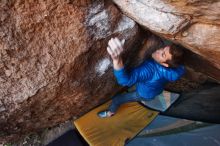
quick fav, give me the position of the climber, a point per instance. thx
(149, 77)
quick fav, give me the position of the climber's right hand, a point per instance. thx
(115, 48)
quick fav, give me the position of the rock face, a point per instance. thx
(193, 24)
(199, 105)
(53, 60)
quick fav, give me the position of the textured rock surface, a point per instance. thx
(191, 23)
(53, 60)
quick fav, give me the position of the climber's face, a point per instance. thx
(162, 55)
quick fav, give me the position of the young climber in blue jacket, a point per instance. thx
(149, 78)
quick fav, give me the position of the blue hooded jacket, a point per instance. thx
(150, 77)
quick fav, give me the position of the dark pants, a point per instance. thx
(124, 98)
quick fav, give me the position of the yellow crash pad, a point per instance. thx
(129, 120)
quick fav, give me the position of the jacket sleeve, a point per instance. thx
(140, 73)
(173, 74)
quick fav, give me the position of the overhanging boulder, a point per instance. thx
(53, 61)
(193, 24)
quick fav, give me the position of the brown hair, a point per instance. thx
(177, 56)
(151, 44)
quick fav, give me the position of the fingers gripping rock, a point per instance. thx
(115, 47)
